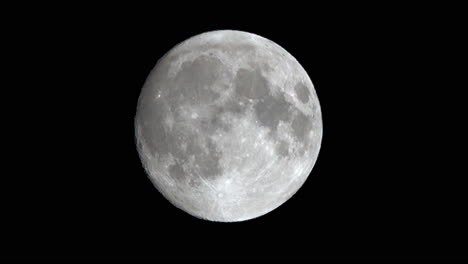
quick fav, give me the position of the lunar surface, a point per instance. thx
(228, 126)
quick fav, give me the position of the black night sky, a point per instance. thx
(381, 187)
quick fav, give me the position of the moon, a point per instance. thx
(228, 126)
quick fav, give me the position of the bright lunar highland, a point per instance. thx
(228, 126)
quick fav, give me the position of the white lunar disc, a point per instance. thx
(228, 126)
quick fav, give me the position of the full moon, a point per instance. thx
(228, 126)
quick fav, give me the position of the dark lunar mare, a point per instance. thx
(270, 108)
(192, 86)
(302, 92)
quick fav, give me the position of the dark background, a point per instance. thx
(384, 185)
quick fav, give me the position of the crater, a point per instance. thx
(302, 92)
(176, 171)
(194, 182)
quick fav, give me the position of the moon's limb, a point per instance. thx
(228, 126)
